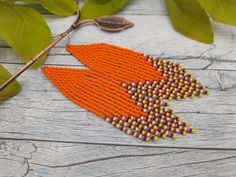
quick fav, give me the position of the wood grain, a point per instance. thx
(134, 7)
(156, 37)
(44, 134)
(41, 112)
(27, 158)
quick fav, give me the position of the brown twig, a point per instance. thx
(107, 23)
(74, 26)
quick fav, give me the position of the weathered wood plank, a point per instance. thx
(214, 79)
(41, 112)
(222, 82)
(151, 35)
(60, 57)
(25, 158)
(91, 146)
(137, 7)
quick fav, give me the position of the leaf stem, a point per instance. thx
(74, 26)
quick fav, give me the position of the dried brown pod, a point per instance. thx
(113, 23)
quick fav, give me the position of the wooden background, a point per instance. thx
(44, 134)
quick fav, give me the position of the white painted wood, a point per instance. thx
(137, 7)
(59, 56)
(151, 35)
(59, 159)
(41, 112)
(68, 141)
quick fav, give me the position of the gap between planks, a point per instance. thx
(118, 144)
(165, 59)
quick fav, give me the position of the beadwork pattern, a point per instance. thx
(154, 77)
(127, 88)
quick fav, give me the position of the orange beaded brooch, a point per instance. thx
(127, 88)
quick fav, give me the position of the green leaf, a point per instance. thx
(58, 7)
(24, 30)
(190, 19)
(11, 89)
(95, 8)
(223, 11)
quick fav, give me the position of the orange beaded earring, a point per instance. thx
(147, 79)
(111, 102)
(126, 89)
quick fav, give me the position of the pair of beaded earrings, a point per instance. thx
(127, 88)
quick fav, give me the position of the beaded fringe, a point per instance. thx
(127, 88)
